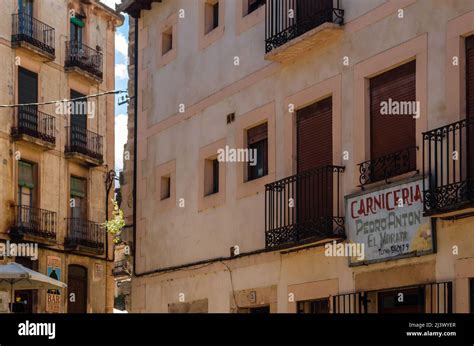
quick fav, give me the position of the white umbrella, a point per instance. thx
(23, 278)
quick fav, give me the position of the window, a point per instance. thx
(167, 41)
(255, 310)
(211, 16)
(316, 306)
(211, 177)
(77, 25)
(470, 76)
(26, 184)
(392, 120)
(165, 187)
(257, 140)
(471, 294)
(78, 194)
(253, 5)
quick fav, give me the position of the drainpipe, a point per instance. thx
(135, 144)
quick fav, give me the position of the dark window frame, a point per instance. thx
(257, 138)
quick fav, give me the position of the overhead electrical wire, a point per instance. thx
(66, 100)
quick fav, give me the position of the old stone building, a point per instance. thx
(359, 198)
(55, 156)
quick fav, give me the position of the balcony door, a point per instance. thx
(314, 202)
(77, 289)
(78, 129)
(25, 10)
(309, 12)
(26, 196)
(470, 106)
(27, 93)
(392, 122)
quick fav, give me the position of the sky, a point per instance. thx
(121, 83)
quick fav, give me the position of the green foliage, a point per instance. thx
(116, 224)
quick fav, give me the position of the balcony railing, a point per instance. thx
(34, 221)
(84, 233)
(84, 57)
(288, 19)
(435, 298)
(30, 121)
(30, 30)
(388, 166)
(304, 208)
(448, 162)
(83, 141)
(121, 267)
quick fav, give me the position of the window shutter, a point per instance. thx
(314, 135)
(391, 133)
(470, 76)
(257, 133)
(25, 175)
(78, 187)
(27, 86)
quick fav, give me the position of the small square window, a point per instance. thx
(257, 140)
(211, 16)
(167, 41)
(211, 177)
(253, 5)
(165, 187)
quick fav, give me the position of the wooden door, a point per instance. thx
(77, 285)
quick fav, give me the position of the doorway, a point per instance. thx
(77, 289)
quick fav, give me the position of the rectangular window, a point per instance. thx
(167, 41)
(165, 187)
(257, 140)
(470, 76)
(211, 177)
(316, 306)
(393, 107)
(255, 310)
(253, 5)
(78, 193)
(471, 294)
(26, 184)
(211, 15)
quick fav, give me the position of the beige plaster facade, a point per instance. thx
(53, 167)
(182, 249)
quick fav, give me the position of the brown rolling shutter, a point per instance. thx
(314, 150)
(257, 133)
(470, 102)
(470, 76)
(314, 135)
(392, 133)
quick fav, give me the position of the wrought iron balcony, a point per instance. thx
(84, 144)
(304, 208)
(448, 162)
(34, 33)
(85, 58)
(434, 298)
(388, 166)
(289, 19)
(33, 221)
(31, 122)
(121, 268)
(85, 235)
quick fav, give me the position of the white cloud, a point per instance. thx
(121, 44)
(121, 134)
(110, 3)
(121, 71)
